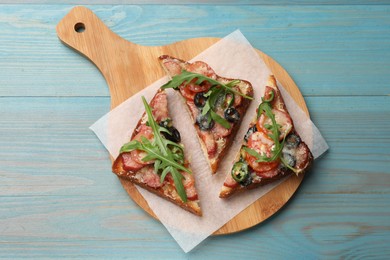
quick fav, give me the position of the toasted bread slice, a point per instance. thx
(248, 172)
(131, 166)
(215, 139)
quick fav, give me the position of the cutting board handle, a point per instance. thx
(117, 59)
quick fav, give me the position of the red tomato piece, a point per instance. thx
(262, 144)
(187, 93)
(203, 87)
(260, 167)
(200, 67)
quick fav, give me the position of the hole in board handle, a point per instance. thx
(79, 27)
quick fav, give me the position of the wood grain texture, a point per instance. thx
(51, 206)
(125, 64)
(315, 44)
(203, 2)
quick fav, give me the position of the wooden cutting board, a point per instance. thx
(129, 67)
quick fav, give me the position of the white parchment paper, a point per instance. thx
(231, 57)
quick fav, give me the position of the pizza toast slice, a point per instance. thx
(154, 158)
(271, 148)
(216, 104)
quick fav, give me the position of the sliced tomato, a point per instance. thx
(260, 167)
(203, 87)
(200, 68)
(262, 144)
(187, 93)
(282, 118)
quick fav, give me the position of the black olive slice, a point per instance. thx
(204, 122)
(231, 114)
(292, 141)
(200, 99)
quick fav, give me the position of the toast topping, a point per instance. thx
(157, 144)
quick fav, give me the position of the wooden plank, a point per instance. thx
(100, 227)
(87, 214)
(203, 2)
(322, 47)
(340, 211)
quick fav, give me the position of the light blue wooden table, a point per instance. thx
(59, 199)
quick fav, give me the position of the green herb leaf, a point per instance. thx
(168, 156)
(186, 77)
(220, 120)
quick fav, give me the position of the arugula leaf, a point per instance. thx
(168, 156)
(187, 77)
(220, 120)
